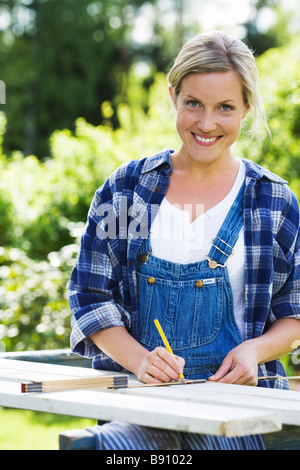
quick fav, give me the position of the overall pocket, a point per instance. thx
(190, 312)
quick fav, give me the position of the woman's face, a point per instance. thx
(210, 109)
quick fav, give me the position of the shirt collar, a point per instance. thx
(161, 158)
(255, 171)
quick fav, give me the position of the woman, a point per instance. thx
(204, 241)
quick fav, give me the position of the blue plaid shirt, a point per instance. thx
(103, 287)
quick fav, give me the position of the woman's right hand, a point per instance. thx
(150, 367)
(160, 366)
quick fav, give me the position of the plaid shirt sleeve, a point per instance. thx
(102, 287)
(94, 291)
(286, 283)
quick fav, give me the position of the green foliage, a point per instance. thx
(280, 86)
(47, 205)
(34, 312)
(42, 198)
(61, 58)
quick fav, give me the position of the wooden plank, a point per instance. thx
(231, 390)
(21, 375)
(26, 370)
(50, 356)
(220, 407)
(261, 399)
(108, 405)
(285, 402)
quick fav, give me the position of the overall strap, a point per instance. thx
(223, 243)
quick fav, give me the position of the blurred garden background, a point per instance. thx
(86, 91)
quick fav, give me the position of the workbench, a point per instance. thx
(209, 408)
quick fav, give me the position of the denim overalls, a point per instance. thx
(194, 305)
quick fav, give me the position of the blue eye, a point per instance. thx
(226, 107)
(193, 103)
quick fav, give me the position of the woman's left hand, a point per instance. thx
(240, 366)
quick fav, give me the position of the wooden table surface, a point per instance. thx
(210, 408)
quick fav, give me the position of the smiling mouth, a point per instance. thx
(206, 140)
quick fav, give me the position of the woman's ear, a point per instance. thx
(172, 97)
(247, 109)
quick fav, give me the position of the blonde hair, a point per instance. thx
(217, 51)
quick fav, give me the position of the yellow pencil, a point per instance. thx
(166, 343)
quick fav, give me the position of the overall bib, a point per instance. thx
(193, 302)
(194, 305)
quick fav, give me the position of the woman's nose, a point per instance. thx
(207, 122)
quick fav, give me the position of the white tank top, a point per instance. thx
(175, 238)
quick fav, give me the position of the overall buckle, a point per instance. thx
(214, 264)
